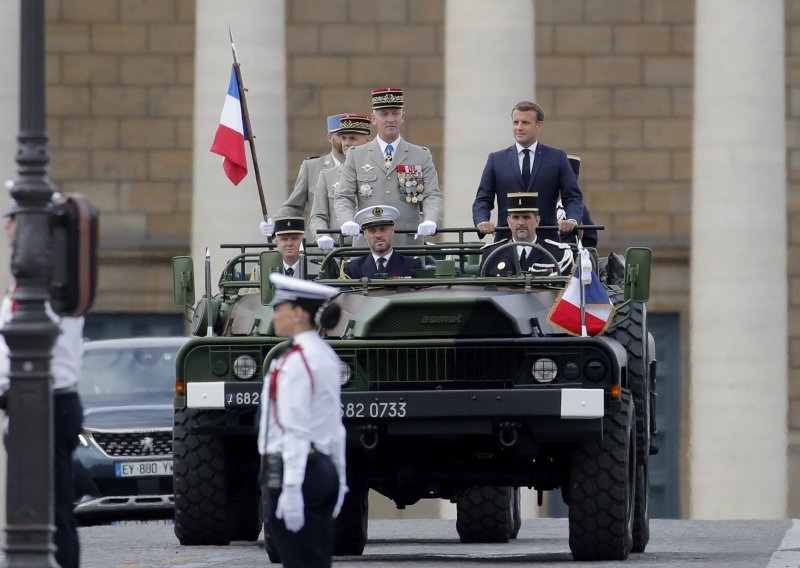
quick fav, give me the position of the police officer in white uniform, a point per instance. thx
(301, 437)
(65, 367)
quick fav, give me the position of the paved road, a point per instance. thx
(433, 543)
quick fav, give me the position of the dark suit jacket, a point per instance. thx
(550, 176)
(398, 265)
(503, 263)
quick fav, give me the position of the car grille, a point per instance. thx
(134, 443)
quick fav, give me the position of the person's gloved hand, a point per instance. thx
(291, 508)
(350, 229)
(343, 489)
(426, 229)
(267, 227)
(325, 242)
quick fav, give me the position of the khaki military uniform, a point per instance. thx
(301, 199)
(366, 181)
(322, 212)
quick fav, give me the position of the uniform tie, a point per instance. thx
(526, 167)
(290, 271)
(381, 264)
(389, 150)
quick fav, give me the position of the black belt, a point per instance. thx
(272, 467)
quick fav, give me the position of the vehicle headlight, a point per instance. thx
(83, 441)
(347, 373)
(544, 370)
(244, 367)
(571, 370)
(595, 370)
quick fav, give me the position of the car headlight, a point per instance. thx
(244, 367)
(595, 370)
(544, 370)
(83, 441)
(347, 373)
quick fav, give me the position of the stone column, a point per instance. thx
(489, 67)
(738, 337)
(222, 212)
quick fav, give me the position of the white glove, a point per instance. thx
(426, 229)
(343, 489)
(291, 508)
(350, 229)
(267, 227)
(325, 242)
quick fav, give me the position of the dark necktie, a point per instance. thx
(381, 264)
(526, 167)
(523, 258)
(290, 271)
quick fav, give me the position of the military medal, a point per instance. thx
(365, 190)
(410, 183)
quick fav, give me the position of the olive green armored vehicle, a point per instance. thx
(454, 386)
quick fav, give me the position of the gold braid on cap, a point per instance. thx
(387, 98)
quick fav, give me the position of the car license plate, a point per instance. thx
(242, 394)
(143, 468)
(373, 409)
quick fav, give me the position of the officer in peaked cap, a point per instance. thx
(289, 238)
(301, 200)
(378, 223)
(390, 171)
(300, 436)
(354, 130)
(523, 218)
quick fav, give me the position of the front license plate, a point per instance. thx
(374, 409)
(242, 394)
(143, 468)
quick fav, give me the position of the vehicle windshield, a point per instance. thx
(128, 371)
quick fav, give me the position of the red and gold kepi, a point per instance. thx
(523, 202)
(290, 226)
(353, 124)
(388, 97)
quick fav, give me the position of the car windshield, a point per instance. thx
(128, 371)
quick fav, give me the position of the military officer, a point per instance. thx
(289, 238)
(378, 226)
(301, 198)
(390, 171)
(301, 437)
(353, 131)
(523, 218)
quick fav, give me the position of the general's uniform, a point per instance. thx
(65, 367)
(302, 199)
(302, 442)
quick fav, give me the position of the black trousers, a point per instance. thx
(67, 423)
(312, 546)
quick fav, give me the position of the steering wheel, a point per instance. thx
(496, 252)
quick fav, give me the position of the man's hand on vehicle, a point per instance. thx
(350, 229)
(325, 242)
(566, 226)
(426, 229)
(485, 227)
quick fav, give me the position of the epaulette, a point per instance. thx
(490, 245)
(311, 157)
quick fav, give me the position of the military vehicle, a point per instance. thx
(454, 386)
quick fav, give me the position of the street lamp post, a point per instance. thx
(31, 334)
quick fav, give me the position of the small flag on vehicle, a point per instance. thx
(231, 134)
(598, 309)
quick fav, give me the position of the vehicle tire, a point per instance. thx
(243, 490)
(269, 546)
(350, 530)
(516, 512)
(641, 509)
(485, 514)
(201, 509)
(602, 490)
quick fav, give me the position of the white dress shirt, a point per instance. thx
(521, 155)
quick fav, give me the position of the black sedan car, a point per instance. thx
(125, 449)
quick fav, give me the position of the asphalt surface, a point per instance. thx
(434, 543)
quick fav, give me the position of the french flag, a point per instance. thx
(566, 311)
(231, 134)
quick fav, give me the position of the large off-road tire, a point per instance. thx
(602, 490)
(201, 508)
(641, 509)
(350, 530)
(484, 514)
(516, 512)
(243, 491)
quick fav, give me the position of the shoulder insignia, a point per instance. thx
(490, 245)
(311, 157)
(366, 167)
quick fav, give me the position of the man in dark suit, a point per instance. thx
(528, 166)
(289, 238)
(523, 218)
(377, 224)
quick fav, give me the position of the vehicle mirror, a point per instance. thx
(637, 273)
(268, 261)
(183, 281)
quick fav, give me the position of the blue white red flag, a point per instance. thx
(231, 134)
(566, 311)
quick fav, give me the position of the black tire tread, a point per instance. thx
(483, 514)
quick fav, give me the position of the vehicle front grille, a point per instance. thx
(134, 443)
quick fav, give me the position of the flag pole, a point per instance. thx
(583, 290)
(248, 128)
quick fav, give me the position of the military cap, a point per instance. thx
(290, 225)
(378, 215)
(354, 124)
(390, 97)
(288, 289)
(333, 122)
(523, 202)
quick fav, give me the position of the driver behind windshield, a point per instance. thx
(523, 218)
